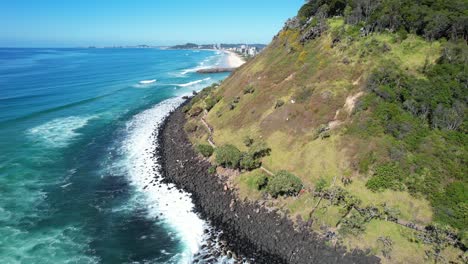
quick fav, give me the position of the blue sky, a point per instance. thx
(61, 23)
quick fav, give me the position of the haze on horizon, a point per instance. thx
(57, 23)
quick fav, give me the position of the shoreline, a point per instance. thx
(249, 230)
(233, 59)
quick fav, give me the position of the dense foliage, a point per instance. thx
(284, 183)
(433, 19)
(387, 176)
(205, 150)
(423, 119)
(228, 156)
(251, 159)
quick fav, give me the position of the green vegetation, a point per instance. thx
(190, 127)
(248, 141)
(279, 103)
(376, 131)
(252, 183)
(195, 111)
(284, 183)
(249, 89)
(249, 162)
(205, 149)
(386, 176)
(433, 19)
(228, 156)
(212, 170)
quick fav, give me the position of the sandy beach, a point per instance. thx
(234, 60)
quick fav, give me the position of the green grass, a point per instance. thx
(417, 210)
(289, 130)
(403, 251)
(247, 187)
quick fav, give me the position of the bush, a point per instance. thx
(259, 149)
(321, 185)
(248, 141)
(210, 103)
(354, 225)
(212, 170)
(249, 89)
(205, 150)
(303, 94)
(186, 108)
(279, 104)
(249, 162)
(190, 127)
(386, 176)
(228, 156)
(451, 206)
(284, 183)
(195, 111)
(260, 181)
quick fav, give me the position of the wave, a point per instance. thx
(193, 83)
(58, 132)
(163, 201)
(148, 81)
(209, 62)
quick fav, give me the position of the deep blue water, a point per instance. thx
(76, 135)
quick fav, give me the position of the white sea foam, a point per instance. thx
(194, 82)
(148, 81)
(58, 132)
(207, 63)
(176, 207)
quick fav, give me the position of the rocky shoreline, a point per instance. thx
(249, 230)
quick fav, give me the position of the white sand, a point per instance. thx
(234, 60)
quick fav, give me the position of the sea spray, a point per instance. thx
(173, 207)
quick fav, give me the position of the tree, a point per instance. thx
(284, 183)
(205, 150)
(249, 162)
(228, 156)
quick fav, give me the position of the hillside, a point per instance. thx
(367, 120)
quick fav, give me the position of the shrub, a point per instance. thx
(195, 111)
(279, 104)
(321, 185)
(205, 150)
(186, 108)
(386, 176)
(284, 183)
(260, 181)
(259, 149)
(248, 141)
(303, 94)
(354, 225)
(249, 89)
(249, 162)
(451, 206)
(210, 103)
(228, 156)
(212, 170)
(190, 127)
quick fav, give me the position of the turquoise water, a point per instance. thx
(76, 141)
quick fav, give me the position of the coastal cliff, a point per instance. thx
(352, 123)
(252, 231)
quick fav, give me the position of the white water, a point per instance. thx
(58, 132)
(176, 207)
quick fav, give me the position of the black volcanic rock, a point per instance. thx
(250, 231)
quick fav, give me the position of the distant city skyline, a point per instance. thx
(54, 23)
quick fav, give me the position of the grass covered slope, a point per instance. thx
(372, 122)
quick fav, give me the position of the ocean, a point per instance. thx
(76, 155)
